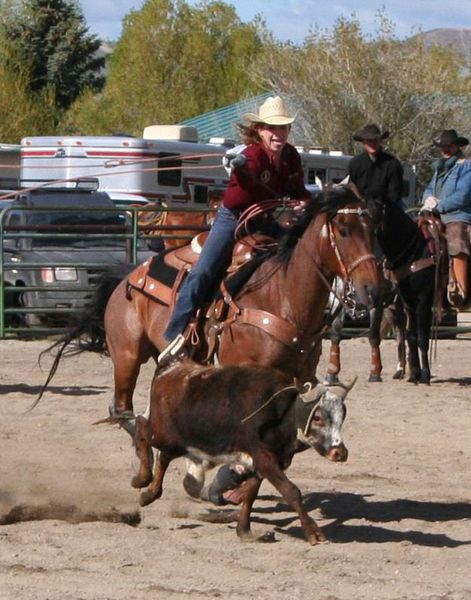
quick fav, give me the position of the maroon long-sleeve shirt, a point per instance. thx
(259, 179)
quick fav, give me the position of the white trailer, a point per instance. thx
(167, 164)
(9, 167)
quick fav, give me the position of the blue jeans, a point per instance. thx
(215, 257)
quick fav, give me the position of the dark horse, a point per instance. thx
(412, 252)
(275, 320)
(388, 314)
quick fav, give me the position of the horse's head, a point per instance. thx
(348, 233)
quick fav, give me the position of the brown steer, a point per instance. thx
(247, 414)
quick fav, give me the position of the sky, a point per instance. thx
(292, 19)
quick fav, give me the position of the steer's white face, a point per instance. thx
(325, 430)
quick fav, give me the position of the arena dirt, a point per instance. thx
(398, 513)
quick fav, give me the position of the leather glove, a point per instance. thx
(429, 205)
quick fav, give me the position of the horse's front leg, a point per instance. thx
(333, 368)
(424, 326)
(374, 337)
(398, 321)
(413, 358)
(335, 334)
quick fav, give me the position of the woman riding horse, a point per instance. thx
(272, 169)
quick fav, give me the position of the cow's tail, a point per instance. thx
(86, 331)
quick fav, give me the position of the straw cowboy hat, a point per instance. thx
(450, 137)
(370, 132)
(272, 112)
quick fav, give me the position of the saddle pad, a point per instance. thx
(155, 279)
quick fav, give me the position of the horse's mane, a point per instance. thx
(329, 200)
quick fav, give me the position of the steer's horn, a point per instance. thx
(304, 388)
(346, 387)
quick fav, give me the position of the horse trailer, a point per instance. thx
(167, 165)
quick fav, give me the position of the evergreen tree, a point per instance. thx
(21, 112)
(49, 41)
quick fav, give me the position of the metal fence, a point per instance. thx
(47, 315)
(37, 296)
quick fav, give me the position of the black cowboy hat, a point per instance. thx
(450, 137)
(370, 132)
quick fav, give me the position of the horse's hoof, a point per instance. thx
(374, 378)
(121, 413)
(425, 378)
(399, 374)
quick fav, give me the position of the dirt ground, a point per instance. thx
(398, 513)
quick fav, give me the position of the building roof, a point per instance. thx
(221, 122)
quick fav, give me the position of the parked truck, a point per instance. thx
(54, 246)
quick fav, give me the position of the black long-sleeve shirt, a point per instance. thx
(380, 179)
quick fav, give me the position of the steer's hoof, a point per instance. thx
(192, 486)
(148, 497)
(139, 481)
(316, 536)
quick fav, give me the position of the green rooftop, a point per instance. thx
(221, 122)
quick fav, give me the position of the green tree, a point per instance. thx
(341, 79)
(20, 112)
(172, 62)
(49, 42)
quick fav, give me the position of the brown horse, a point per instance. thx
(335, 238)
(275, 320)
(177, 225)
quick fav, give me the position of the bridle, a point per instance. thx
(348, 297)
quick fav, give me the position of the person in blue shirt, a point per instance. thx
(449, 194)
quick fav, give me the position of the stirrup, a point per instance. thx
(172, 350)
(455, 294)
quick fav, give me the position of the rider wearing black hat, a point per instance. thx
(375, 173)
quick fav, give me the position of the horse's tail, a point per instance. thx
(86, 331)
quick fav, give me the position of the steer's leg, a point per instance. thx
(267, 465)
(251, 487)
(154, 490)
(144, 452)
